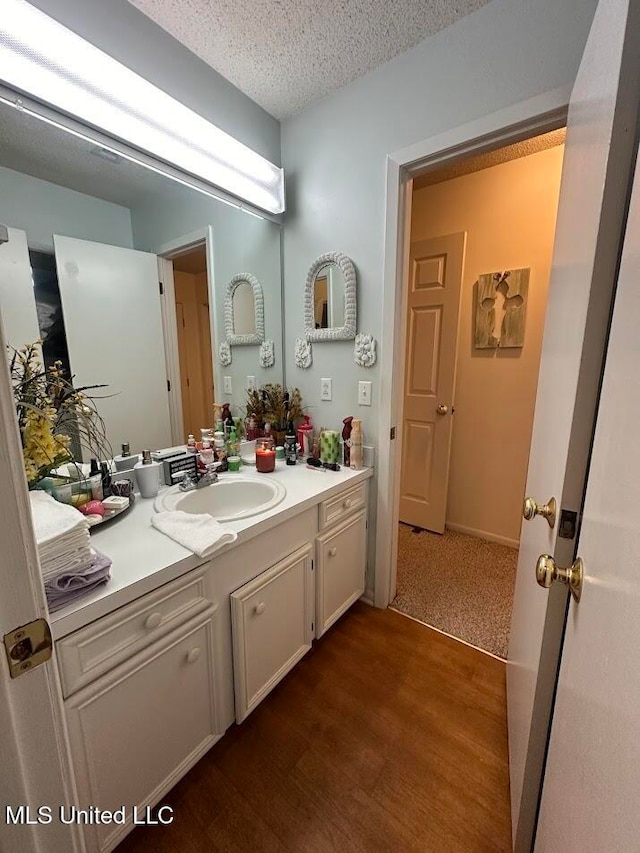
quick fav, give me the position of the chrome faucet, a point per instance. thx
(210, 476)
(184, 480)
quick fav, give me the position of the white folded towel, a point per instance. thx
(201, 534)
(52, 519)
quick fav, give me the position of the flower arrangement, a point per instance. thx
(271, 404)
(50, 411)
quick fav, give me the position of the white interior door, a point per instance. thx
(35, 768)
(433, 311)
(597, 167)
(111, 305)
(17, 299)
(594, 750)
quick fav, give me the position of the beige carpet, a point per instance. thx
(458, 584)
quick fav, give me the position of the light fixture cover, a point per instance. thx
(42, 58)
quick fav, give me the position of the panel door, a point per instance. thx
(597, 169)
(136, 730)
(594, 749)
(341, 567)
(272, 624)
(433, 311)
(111, 305)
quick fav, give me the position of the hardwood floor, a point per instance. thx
(387, 736)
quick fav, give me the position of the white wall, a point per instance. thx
(42, 209)
(334, 157)
(241, 243)
(123, 32)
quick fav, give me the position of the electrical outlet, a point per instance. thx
(251, 383)
(228, 388)
(364, 393)
(325, 389)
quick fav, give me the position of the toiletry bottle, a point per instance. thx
(106, 479)
(290, 444)
(346, 439)
(233, 445)
(126, 460)
(94, 468)
(148, 475)
(305, 432)
(252, 428)
(220, 449)
(356, 444)
(227, 420)
(207, 455)
(191, 444)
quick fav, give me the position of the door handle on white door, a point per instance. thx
(442, 409)
(531, 508)
(259, 608)
(193, 655)
(547, 571)
(333, 552)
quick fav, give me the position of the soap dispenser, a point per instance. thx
(147, 475)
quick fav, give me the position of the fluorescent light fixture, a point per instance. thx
(42, 58)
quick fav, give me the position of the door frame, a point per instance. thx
(166, 253)
(508, 126)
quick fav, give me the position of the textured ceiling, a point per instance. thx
(286, 54)
(39, 149)
(490, 158)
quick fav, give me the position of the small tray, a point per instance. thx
(109, 516)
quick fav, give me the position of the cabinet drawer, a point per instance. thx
(272, 624)
(137, 730)
(107, 642)
(346, 503)
(341, 565)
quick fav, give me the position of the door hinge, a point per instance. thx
(161, 286)
(313, 627)
(28, 646)
(169, 385)
(312, 565)
(392, 434)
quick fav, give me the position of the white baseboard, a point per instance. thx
(483, 534)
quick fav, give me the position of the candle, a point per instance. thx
(265, 456)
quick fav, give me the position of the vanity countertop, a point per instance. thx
(145, 559)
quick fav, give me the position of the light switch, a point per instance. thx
(364, 393)
(228, 388)
(251, 383)
(325, 389)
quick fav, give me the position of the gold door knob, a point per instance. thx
(442, 409)
(531, 508)
(547, 571)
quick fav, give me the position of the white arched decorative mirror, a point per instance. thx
(244, 311)
(330, 299)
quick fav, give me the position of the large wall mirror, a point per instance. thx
(91, 235)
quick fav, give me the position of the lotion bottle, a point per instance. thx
(148, 475)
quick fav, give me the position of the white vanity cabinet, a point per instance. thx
(272, 624)
(137, 727)
(341, 555)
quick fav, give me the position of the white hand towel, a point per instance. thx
(201, 534)
(52, 519)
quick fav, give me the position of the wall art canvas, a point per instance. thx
(501, 309)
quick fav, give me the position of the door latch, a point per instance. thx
(28, 646)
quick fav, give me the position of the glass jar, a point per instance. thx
(265, 455)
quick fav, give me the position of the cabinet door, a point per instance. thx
(137, 730)
(342, 559)
(272, 622)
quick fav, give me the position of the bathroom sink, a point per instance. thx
(231, 498)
